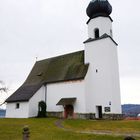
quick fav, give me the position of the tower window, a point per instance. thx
(96, 33)
(96, 70)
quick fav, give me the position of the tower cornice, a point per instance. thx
(102, 37)
(97, 16)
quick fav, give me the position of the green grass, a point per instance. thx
(123, 126)
(44, 129)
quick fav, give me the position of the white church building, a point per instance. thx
(83, 84)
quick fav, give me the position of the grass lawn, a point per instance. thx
(124, 126)
(44, 129)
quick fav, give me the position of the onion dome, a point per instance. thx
(99, 8)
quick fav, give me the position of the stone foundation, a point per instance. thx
(91, 116)
(75, 116)
(88, 116)
(84, 116)
(55, 114)
(113, 116)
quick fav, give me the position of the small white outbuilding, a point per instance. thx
(83, 84)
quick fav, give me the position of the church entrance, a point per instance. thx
(99, 112)
(68, 104)
(68, 111)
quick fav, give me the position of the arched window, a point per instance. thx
(96, 33)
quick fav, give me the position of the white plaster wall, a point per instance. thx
(26, 109)
(21, 112)
(70, 89)
(102, 87)
(104, 24)
(33, 102)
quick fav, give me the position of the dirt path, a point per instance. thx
(59, 124)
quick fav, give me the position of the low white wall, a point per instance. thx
(26, 109)
(33, 102)
(21, 112)
(70, 89)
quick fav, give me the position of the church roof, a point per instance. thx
(57, 69)
(24, 93)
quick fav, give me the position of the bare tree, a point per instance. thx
(3, 88)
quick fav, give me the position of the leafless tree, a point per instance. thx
(3, 88)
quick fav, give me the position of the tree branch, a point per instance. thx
(3, 88)
(2, 103)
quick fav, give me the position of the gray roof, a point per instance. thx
(66, 101)
(24, 93)
(101, 37)
(57, 69)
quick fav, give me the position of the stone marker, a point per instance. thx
(26, 133)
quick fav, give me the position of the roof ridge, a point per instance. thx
(62, 68)
(63, 55)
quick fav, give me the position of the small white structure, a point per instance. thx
(83, 84)
(138, 116)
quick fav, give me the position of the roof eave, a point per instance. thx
(99, 16)
(92, 39)
(16, 101)
(68, 80)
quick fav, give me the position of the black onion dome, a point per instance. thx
(99, 8)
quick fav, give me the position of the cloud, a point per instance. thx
(130, 90)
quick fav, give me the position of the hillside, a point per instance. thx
(131, 110)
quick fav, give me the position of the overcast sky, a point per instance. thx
(45, 28)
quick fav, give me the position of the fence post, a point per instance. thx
(26, 133)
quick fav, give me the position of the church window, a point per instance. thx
(96, 33)
(96, 70)
(17, 105)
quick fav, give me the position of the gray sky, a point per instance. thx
(45, 28)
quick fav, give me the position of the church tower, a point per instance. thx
(102, 80)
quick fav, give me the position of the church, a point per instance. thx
(83, 84)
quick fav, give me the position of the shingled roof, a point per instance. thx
(57, 69)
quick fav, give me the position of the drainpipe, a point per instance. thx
(45, 93)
